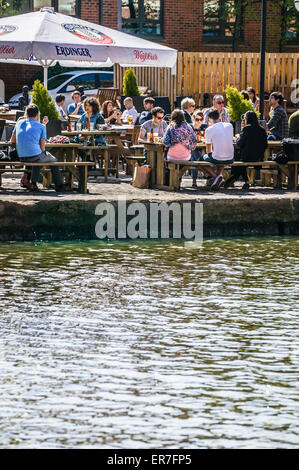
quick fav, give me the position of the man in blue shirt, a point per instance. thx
(30, 137)
(76, 107)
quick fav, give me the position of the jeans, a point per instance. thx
(195, 156)
(208, 158)
(44, 157)
(273, 137)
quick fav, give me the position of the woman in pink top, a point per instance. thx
(179, 137)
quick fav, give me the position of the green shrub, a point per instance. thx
(236, 105)
(130, 83)
(44, 101)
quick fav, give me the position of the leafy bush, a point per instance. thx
(44, 101)
(130, 83)
(236, 105)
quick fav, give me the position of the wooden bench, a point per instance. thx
(178, 167)
(74, 169)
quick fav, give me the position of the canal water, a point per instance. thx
(149, 344)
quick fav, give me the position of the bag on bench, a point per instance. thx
(141, 177)
(281, 158)
(291, 149)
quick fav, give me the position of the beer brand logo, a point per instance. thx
(6, 29)
(143, 56)
(89, 34)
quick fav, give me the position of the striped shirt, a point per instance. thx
(223, 118)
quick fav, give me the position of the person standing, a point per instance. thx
(29, 135)
(278, 123)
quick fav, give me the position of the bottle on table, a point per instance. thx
(151, 136)
(88, 124)
(69, 125)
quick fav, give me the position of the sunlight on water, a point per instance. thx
(130, 345)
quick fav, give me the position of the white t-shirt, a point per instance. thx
(220, 135)
(130, 112)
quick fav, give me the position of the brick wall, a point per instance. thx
(15, 77)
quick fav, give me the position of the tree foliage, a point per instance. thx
(130, 83)
(44, 101)
(237, 105)
(3, 5)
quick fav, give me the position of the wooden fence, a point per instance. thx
(157, 79)
(206, 72)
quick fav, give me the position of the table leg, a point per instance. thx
(83, 179)
(106, 165)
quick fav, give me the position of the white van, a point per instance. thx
(66, 83)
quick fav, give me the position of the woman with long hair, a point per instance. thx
(179, 138)
(112, 115)
(253, 98)
(252, 144)
(92, 115)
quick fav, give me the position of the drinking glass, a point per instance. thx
(130, 119)
(79, 126)
(91, 126)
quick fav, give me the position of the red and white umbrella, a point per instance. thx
(48, 37)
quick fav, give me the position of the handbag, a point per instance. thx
(281, 158)
(141, 176)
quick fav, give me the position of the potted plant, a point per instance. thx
(237, 106)
(130, 83)
(46, 105)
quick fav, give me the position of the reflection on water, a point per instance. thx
(149, 345)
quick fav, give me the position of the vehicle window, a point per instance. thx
(55, 82)
(87, 81)
(106, 80)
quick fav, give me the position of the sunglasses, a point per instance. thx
(159, 118)
(220, 102)
(192, 106)
(198, 119)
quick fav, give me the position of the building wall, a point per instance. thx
(182, 29)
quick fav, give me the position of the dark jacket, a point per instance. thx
(252, 144)
(188, 117)
(144, 116)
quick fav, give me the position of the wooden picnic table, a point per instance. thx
(9, 114)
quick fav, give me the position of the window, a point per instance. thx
(106, 80)
(88, 81)
(66, 7)
(55, 82)
(223, 21)
(289, 24)
(142, 17)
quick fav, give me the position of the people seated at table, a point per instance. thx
(75, 108)
(59, 102)
(180, 139)
(92, 117)
(251, 145)
(111, 114)
(146, 115)
(29, 135)
(129, 111)
(294, 125)
(156, 125)
(219, 145)
(218, 103)
(278, 123)
(188, 107)
(253, 98)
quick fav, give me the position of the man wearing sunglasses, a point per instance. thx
(218, 103)
(157, 125)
